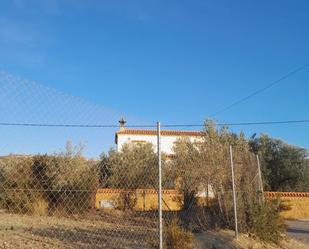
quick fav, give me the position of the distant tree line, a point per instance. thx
(285, 167)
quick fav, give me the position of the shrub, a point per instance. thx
(40, 207)
(64, 181)
(126, 200)
(174, 237)
(15, 184)
(205, 163)
(19, 201)
(266, 223)
(177, 238)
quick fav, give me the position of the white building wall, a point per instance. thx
(167, 142)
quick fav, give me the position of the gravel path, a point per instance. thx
(299, 229)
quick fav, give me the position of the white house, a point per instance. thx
(168, 137)
(168, 140)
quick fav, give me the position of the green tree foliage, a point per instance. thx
(265, 222)
(104, 169)
(284, 167)
(135, 166)
(206, 162)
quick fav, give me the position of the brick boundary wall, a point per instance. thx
(146, 199)
(144, 191)
(286, 194)
(267, 194)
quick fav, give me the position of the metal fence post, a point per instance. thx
(260, 179)
(234, 194)
(160, 185)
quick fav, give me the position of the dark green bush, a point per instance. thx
(265, 222)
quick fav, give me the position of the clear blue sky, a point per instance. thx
(174, 61)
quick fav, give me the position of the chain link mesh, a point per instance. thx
(68, 200)
(71, 198)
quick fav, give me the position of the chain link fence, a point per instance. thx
(66, 199)
(71, 197)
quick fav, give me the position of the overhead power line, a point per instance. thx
(152, 126)
(70, 125)
(242, 123)
(237, 102)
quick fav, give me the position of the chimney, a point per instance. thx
(122, 123)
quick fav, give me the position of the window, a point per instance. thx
(138, 141)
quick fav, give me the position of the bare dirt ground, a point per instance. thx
(97, 230)
(225, 240)
(112, 230)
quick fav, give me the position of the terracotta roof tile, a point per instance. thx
(286, 194)
(163, 132)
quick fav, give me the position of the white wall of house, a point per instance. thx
(167, 142)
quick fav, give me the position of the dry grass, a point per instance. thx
(298, 208)
(224, 239)
(177, 237)
(40, 207)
